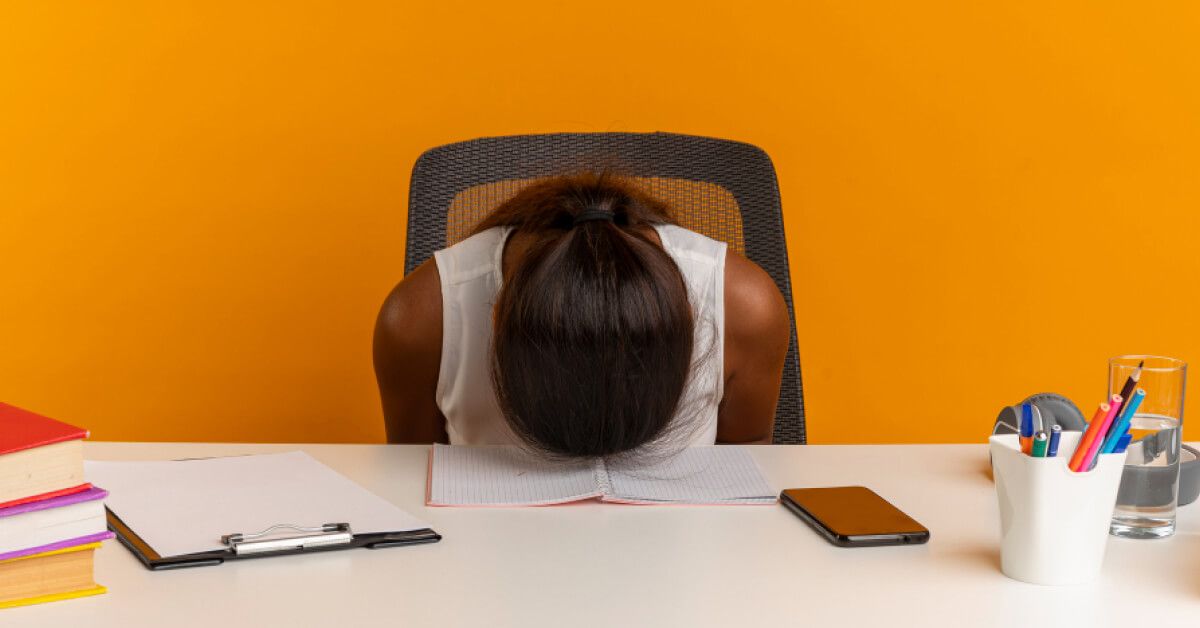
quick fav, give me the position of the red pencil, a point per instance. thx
(1089, 459)
(1090, 435)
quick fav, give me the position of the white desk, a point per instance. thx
(613, 565)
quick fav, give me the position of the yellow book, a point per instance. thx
(59, 574)
(54, 597)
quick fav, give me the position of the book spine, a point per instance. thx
(600, 471)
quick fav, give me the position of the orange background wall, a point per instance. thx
(202, 207)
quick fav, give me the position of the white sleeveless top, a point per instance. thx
(471, 278)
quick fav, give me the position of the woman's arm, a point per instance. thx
(408, 354)
(756, 341)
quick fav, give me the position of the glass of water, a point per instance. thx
(1149, 489)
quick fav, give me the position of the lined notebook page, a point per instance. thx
(505, 476)
(698, 475)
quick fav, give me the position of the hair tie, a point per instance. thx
(588, 215)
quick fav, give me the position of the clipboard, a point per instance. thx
(178, 513)
(301, 540)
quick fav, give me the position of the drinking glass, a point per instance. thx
(1149, 491)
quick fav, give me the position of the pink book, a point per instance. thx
(508, 476)
(53, 523)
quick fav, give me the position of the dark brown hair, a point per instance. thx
(593, 328)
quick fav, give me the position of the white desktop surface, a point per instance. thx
(615, 565)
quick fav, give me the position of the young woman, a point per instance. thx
(579, 321)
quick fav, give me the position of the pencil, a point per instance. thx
(1094, 446)
(1088, 436)
(1121, 426)
(1130, 382)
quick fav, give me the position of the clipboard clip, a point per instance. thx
(269, 541)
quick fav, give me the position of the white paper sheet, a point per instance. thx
(185, 506)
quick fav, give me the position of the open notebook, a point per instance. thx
(507, 476)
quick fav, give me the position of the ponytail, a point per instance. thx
(592, 328)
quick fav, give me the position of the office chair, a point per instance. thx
(722, 189)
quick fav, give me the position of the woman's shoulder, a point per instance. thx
(410, 320)
(754, 306)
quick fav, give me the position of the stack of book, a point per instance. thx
(51, 520)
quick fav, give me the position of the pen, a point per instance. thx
(1039, 445)
(1026, 428)
(1122, 426)
(1055, 435)
(1088, 436)
(1089, 460)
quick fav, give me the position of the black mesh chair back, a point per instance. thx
(725, 190)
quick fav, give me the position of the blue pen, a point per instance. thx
(1123, 444)
(1122, 426)
(1055, 434)
(1026, 439)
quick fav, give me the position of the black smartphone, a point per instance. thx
(853, 516)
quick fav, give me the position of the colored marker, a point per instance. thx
(1055, 435)
(1039, 445)
(1088, 437)
(1026, 428)
(1089, 460)
(1123, 444)
(1121, 427)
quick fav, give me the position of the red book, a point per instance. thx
(38, 456)
(22, 429)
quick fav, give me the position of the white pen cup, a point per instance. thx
(1053, 521)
